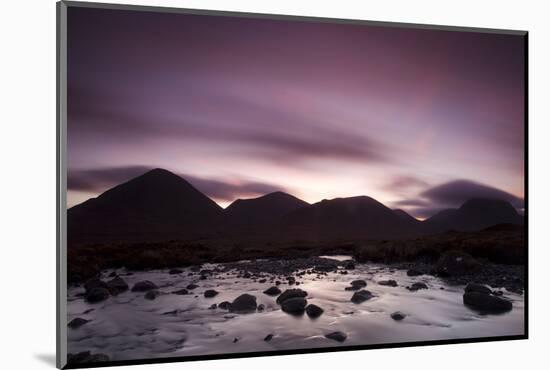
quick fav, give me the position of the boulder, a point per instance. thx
(224, 305)
(414, 272)
(417, 286)
(295, 306)
(472, 287)
(144, 286)
(272, 291)
(314, 311)
(94, 283)
(181, 292)
(291, 293)
(151, 294)
(337, 336)
(175, 271)
(210, 293)
(97, 295)
(349, 265)
(192, 286)
(391, 283)
(77, 323)
(356, 285)
(456, 264)
(245, 303)
(117, 285)
(398, 316)
(361, 296)
(486, 303)
(268, 337)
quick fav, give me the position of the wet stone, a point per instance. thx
(337, 336)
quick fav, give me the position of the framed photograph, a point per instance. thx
(234, 184)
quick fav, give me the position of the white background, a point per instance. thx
(27, 182)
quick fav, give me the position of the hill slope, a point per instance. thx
(155, 204)
(475, 214)
(347, 218)
(262, 211)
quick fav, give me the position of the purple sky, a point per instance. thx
(242, 107)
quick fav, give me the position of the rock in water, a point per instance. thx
(361, 296)
(144, 286)
(398, 316)
(95, 283)
(417, 286)
(272, 291)
(192, 286)
(77, 323)
(357, 284)
(337, 336)
(314, 311)
(295, 306)
(245, 303)
(291, 293)
(413, 272)
(391, 283)
(486, 303)
(97, 295)
(175, 271)
(472, 287)
(152, 294)
(210, 293)
(268, 337)
(117, 285)
(181, 292)
(224, 305)
(456, 264)
(349, 265)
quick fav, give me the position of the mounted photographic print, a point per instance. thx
(234, 184)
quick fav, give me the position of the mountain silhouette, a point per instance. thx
(155, 205)
(160, 206)
(262, 211)
(347, 218)
(405, 216)
(473, 215)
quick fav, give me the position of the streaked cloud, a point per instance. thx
(98, 180)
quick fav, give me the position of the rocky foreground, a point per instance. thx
(283, 281)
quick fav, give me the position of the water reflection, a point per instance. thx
(128, 326)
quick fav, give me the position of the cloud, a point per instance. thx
(452, 195)
(230, 191)
(411, 203)
(269, 132)
(98, 180)
(405, 182)
(457, 192)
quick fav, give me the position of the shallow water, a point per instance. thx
(130, 327)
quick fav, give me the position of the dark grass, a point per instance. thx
(503, 244)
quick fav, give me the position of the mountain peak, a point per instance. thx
(262, 210)
(158, 172)
(157, 202)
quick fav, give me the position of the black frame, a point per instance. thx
(61, 184)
